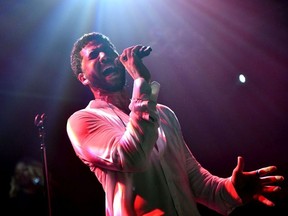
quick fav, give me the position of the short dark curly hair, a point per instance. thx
(76, 58)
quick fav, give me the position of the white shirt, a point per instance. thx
(142, 160)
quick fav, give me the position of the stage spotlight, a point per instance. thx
(242, 78)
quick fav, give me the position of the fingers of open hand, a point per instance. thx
(271, 179)
(270, 189)
(264, 200)
(267, 182)
(266, 170)
(267, 188)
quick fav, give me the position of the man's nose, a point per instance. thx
(103, 57)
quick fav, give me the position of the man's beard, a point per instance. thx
(111, 87)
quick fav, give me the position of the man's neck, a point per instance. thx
(119, 99)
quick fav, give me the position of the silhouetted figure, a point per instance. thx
(27, 192)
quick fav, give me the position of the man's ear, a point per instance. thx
(82, 78)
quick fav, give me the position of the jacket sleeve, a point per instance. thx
(210, 190)
(100, 142)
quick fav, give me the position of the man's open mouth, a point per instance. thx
(109, 71)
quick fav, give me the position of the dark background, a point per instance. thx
(199, 49)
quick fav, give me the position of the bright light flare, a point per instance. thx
(242, 78)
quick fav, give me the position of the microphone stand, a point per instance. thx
(39, 123)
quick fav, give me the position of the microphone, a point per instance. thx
(141, 54)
